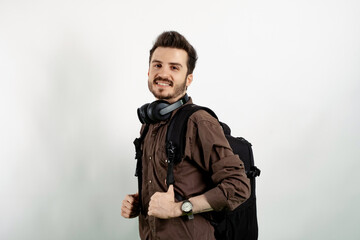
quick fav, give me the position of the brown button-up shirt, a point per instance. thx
(209, 167)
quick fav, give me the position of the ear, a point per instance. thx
(189, 79)
(148, 72)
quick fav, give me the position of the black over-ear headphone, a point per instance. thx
(159, 110)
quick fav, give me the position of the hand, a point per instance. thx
(130, 206)
(163, 205)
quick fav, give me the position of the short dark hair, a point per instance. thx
(174, 39)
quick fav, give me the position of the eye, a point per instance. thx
(158, 65)
(174, 68)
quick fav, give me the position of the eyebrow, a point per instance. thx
(171, 63)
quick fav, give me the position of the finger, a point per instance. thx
(128, 210)
(155, 196)
(129, 205)
(151, 211)
(125, 212)
(130, 198)
(151, 203)
(126, 204)
(135, 197)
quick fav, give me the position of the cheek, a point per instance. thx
(151, 74)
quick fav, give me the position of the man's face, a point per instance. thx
(167, 74)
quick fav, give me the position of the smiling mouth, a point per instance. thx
(163, 83)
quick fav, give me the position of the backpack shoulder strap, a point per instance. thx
(176, 134)
(138, 150)
(138, 157)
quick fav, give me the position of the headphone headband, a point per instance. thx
(174, 106)
(159, 110)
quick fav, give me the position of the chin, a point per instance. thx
(162, 95)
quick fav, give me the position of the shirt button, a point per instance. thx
(149, 181)
(150, 158)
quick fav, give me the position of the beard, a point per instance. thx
(159, 93)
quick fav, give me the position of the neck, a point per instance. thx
(173, 100)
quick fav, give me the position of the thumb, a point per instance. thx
(171, 190)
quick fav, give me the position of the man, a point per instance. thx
(209, 176)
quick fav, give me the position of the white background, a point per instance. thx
(283, 74)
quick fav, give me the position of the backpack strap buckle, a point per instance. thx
(170, 149)
(253, 172)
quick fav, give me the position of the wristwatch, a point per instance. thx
(186, 208)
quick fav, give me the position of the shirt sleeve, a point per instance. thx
(211, 151)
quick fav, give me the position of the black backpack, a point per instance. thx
(240, 224)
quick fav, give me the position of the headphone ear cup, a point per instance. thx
(142, 114)
(153, 111)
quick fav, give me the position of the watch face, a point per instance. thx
(186, 206)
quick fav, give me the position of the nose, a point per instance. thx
(164, 73)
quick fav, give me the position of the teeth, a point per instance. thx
(163, 84)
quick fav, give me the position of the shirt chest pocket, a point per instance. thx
(161, 156)
(160, 162)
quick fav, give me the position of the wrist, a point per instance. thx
(187, 209)
(177, 209)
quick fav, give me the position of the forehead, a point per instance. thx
(170, 55)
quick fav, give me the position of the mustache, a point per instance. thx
(162, 79)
